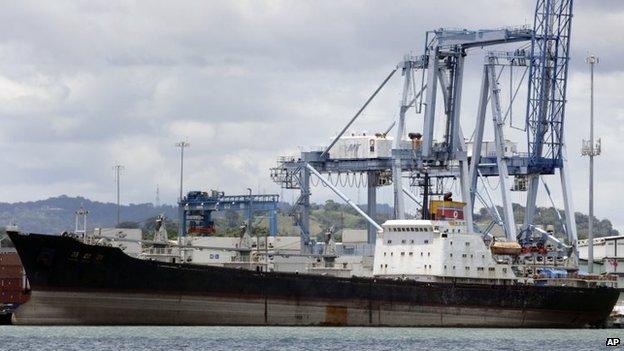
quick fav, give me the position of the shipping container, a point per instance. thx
(11, 284)
(11, 271)
(10, 259)
(17, 297)
(362, 146)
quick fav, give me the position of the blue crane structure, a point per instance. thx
(429, 160)
(548, 76)
(197, 207)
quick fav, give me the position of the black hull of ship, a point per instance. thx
(77, 284)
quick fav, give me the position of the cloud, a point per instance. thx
(86, 84)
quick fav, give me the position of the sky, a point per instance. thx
(85, 85)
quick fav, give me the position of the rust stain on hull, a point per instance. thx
(335, 315)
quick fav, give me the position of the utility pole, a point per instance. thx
(181, 227)
(118, 168)
(249, 219)
(182, 145)
(591, 149)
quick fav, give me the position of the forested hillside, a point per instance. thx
(57, 214)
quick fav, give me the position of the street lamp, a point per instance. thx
(591, 149)
(182, 145)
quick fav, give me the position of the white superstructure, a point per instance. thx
(434, 250)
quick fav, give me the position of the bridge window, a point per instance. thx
(402, 253)
(426, 241)
(403, 241)
(389, 241)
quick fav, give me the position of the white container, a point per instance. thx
(363, 146)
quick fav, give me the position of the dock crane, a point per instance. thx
(442, 67)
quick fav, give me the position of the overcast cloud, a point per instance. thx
(84, 85)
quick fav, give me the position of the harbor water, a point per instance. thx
(294, 338)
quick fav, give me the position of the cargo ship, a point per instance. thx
(432, 273)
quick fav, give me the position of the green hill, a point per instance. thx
(57, 214)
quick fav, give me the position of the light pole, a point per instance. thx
(118, 168)
(182, 145)
(181, 225)
(249, 215)
(591, 149)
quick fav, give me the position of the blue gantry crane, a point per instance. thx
(197, 208)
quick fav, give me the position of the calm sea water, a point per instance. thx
(262, 338)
